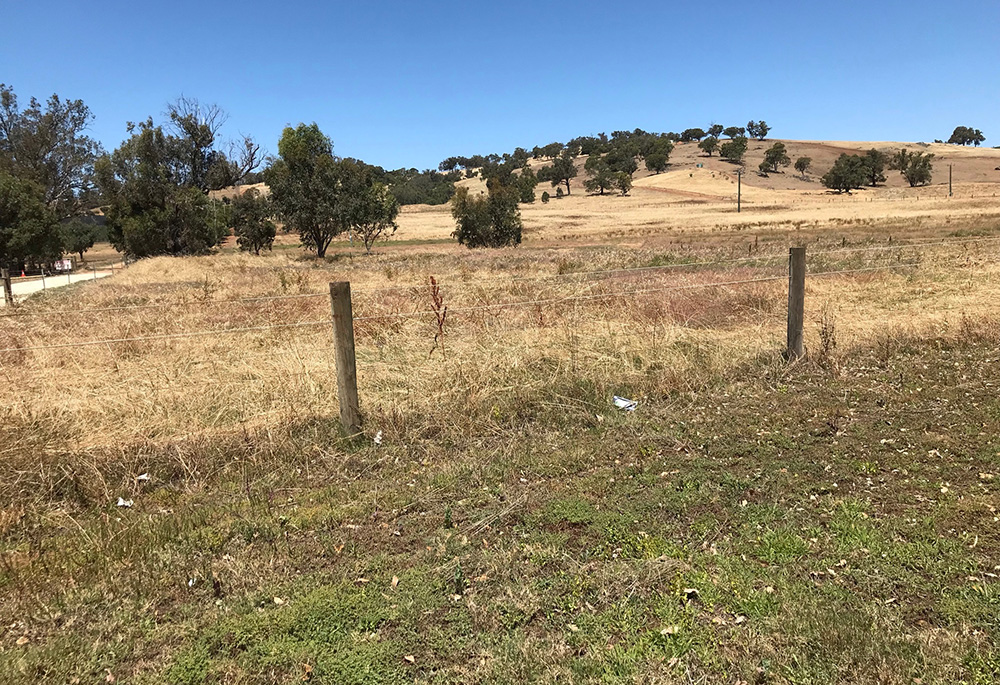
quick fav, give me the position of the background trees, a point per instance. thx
(966, 135)
(715, 130)
(487, 220)
(305, 186)
(916, 167)
(366, 206)
(848, 172)
(774, 157)
(758, 129)
(251, 220)
(526, 183)
(734, 150)
(28, 228)
(875, 163)
(734, 132)
(692, 134)
(623, 182)
(77, 236)
(562, 170)
(600, 177)
(709, 145)
(153, 207)
(410, 186)
(155, 184)
(46, 145)
(802, 165)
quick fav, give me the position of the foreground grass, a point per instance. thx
(814, 524)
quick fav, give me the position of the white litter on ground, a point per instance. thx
(624, 404)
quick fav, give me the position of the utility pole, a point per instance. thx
(739, 189)
(949, 180)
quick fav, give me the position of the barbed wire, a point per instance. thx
(511, 281)
(467, 309)
(170, 336)
(165, 305)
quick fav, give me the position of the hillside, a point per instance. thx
(665, 208)
(971, 165)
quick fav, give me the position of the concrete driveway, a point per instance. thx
(22, 287)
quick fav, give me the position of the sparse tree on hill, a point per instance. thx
(526, 183)
(735, 132)
(487, 220)
(623, 182)
(657, 162)
(715, 130)
(916, 167)
(802, 165)
(875, 163)
(552, 150)
(519, 158)
(621, 157)
(709, 145)
(848, 173)
(546, 197)
(966, 135)
(600, 177)
(774, 157)
(692, 134)
(305, 187)
(252, 224)
(562, 170)
(758, 129)
(734, 150)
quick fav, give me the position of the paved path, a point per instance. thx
(23, 287)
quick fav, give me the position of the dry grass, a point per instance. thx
(508, 498)
(662, 337)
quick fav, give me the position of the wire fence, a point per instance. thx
(607, 278)
(426, 312)
(598, 274)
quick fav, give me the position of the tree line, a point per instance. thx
(851, 172)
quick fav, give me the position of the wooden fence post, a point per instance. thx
(347, 372)
(796, 301)
(8, 292)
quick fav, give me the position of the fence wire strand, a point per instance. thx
(460, 310)
(499, 282)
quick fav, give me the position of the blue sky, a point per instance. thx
(410, 83)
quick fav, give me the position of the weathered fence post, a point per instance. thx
(347, 372)
(796, 301)
(8, 292)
